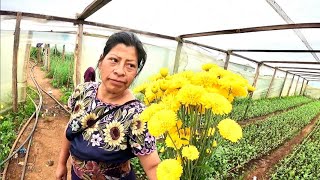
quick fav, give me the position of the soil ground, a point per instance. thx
(46, 143)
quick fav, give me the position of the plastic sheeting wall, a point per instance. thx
(6, 47)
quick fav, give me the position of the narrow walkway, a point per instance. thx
(46, 144)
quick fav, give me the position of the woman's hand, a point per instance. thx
(61, 172)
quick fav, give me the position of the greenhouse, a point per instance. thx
(231, 89)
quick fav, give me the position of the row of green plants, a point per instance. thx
(259, 138)
(304, 162)
(60, 71)
(262, 107)
(11, 123)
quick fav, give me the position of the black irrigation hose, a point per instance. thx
(35, 124)
(55, 100)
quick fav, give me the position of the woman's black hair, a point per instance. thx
(129, 39)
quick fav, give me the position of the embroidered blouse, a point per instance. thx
(115, 137)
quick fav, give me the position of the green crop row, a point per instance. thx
(12, 123)
(304, 163)
(261, 137)
(262, 107)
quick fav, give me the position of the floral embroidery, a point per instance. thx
(96, 139)
(114, 134)
(92, 170)
(75, 126)
(137, 126)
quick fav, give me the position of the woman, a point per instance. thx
(104, 131)
(89, 75)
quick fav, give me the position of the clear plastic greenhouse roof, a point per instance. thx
(179, 17)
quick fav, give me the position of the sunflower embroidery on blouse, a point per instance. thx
(114, 134)
(78, 109)
(89, 122)
(137, 126)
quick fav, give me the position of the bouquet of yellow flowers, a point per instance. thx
(185, 109)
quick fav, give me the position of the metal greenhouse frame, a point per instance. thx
(306, 74)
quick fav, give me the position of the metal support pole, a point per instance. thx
(284, 82)
(274, 74)
(227, 60)
(301, 87)
(177, 59)
(290, 85)
(295, 90)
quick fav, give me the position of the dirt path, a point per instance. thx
(263, 165)
(44, 153)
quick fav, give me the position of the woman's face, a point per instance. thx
(119, 68)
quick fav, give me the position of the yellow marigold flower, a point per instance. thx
(230, 130)
(208, 66)
(175, 142)
(169, 169)
(214, 143)
(140, 89)
(216, 102)
(147, 113)
(190, 94)
(149, 96)
(162, 121)
(208, 151)
(164, 72)
(1, 117)
(179, 159)
(190, 152)
(162, 150)
(171, 102)
(177, 82)
(155, 77)
(163, 84)
(239, 89)
(251, 88)
(211, 131)
(204, 79)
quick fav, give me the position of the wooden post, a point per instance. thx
(301, 87)
(295, 90)
(178, 53)
(63, 51)
(253, 84)
(77, 55)
(284, 82)
(305, 87)
(48, 58)
(290, 85)
(45, 57)
(15, 64)
(38, 55)
(274, 74)
(227, 60)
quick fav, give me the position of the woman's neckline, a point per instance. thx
(108, 103)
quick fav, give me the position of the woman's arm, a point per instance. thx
(150, 163)
(62, 170)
